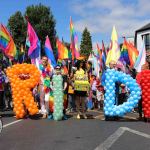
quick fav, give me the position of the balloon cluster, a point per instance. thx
(145, 85)
(58, 97)
(110, 109)
(23, 77)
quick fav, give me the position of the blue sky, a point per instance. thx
(98, 16)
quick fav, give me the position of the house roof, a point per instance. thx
(146, 27)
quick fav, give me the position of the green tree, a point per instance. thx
(86, 43)
(17, 26)
(42, 20)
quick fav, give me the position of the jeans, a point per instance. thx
(71, 100)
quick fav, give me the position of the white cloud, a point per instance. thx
(99, 16)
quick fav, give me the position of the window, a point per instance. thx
(147, 45)
(147, 42)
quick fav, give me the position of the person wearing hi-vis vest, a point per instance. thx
(81, 89)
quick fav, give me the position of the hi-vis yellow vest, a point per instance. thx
(81, 82)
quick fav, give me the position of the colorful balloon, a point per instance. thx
(23, 77)
(110, 109)
(145, 86)
(58, 97)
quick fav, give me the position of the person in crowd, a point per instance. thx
(58, 71)
(94, 88)
(71, 96)
(89, 69)
(122, 94)
(100, 96)
(64, 73)
(131, 71)
(46, 73)
(80, 96)
(112, 64)
(7, 93)
(98, 81)
(2, 83)
(36, 95)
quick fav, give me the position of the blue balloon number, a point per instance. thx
(110, 109)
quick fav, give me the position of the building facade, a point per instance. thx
(143, 34)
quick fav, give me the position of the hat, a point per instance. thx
(58, 67)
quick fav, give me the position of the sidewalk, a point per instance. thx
(96, 114)
(91, 114)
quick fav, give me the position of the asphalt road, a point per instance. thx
(73, 134)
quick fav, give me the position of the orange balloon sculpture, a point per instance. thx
(23, 77)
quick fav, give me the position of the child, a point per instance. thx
(122, 94)
(2, 83)
(100, 96)
(93, 88)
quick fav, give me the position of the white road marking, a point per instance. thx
(137, 132)
(110, 140)
(6, 125)
(115, 136)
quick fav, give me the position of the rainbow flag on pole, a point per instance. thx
(74, 41)
(6, 43)
(63, 52)
(124, 56)
(132, 52)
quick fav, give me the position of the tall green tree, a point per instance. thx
(42, 20)
(86, 43)
(17, 26)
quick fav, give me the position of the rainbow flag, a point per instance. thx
(63, 52)
(124, 57)
(49, 52)
(74, 41)
(6, 43)
(99, 56)
(132, 52)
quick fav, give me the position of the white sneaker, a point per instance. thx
(84, 116)
(78, 116)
